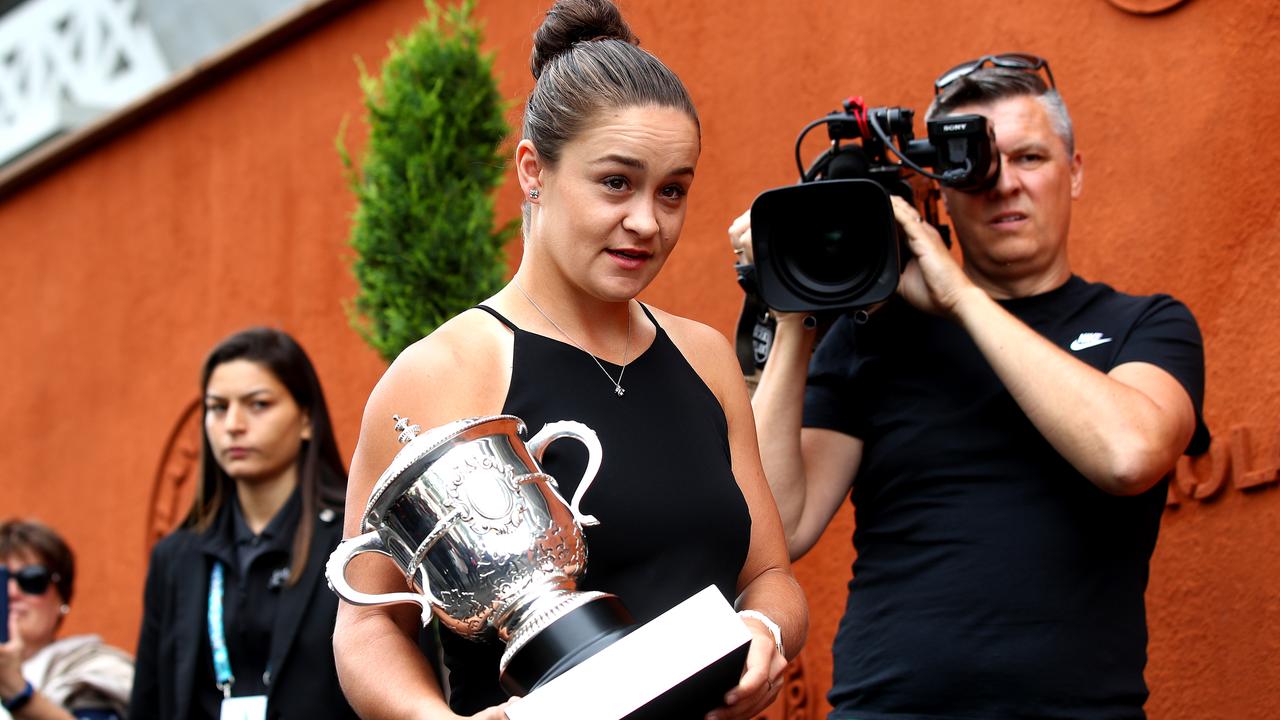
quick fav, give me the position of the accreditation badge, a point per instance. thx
(249, 707)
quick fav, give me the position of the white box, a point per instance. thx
(696, 648)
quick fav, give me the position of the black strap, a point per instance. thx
(498, 315)
(648, 314)
(513, 326)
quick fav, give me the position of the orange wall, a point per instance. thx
(125, 265)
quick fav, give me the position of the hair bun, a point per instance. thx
(569, 22)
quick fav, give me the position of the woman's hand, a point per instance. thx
(497, 712)
(761, 679)
(11, 680)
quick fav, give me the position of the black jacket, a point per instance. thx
(304, 683)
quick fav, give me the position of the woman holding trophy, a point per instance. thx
(610, 144)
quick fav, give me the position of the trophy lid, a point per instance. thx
(418, 446)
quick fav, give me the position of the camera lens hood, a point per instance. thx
(830, 245)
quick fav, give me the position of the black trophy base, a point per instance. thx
(557, 648)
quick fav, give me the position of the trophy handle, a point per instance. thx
(336, 572)
(570, 428)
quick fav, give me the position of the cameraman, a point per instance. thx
(1009, 425)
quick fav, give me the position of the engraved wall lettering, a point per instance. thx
(1230, 462)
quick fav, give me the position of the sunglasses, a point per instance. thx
(1011, 61)
(34, 579)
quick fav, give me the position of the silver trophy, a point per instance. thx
(488, 544)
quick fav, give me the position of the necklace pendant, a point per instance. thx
(617, 390)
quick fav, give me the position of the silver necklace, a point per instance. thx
(617, 384)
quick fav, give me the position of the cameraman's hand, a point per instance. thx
(740, 241)
(932, 281)
(740, 238)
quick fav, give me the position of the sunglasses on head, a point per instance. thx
(34, 579)
(1010, 61)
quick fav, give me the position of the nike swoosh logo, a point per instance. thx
(1088, 340)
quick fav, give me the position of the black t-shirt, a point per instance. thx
(992, 579)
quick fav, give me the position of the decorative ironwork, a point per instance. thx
(65, 62)
(173, 485)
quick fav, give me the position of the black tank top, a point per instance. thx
(672, 518)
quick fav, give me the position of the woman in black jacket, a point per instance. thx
(236, 608)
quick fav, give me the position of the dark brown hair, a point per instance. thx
(30, 536)
(585, 59)
(322, 479)
(987, 85)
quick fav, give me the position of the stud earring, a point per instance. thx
(64, 609)
(534, 194)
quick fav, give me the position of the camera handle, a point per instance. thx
(946, 177)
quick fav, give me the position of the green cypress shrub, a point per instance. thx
(423, 232)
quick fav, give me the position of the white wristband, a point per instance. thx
(773, 627)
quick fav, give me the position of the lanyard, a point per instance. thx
(217, 637)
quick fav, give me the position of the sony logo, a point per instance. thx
(955, 126)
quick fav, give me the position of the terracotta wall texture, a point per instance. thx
(125, 264)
